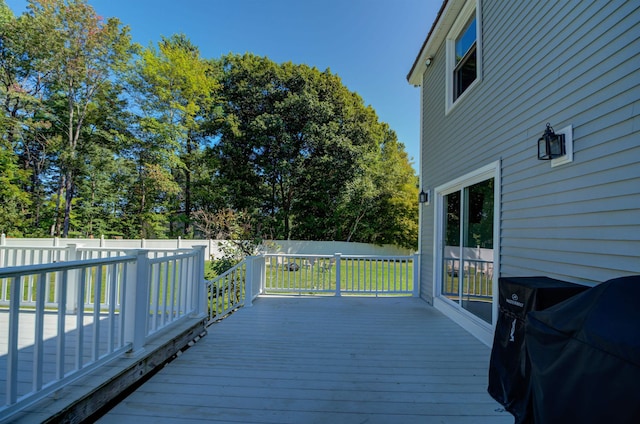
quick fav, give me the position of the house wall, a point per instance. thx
(567, 63)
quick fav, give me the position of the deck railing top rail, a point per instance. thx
(13, 271)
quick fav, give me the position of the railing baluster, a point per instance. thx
(12, 342)
(184, 289)
(62, 313)
(187, 264)
(111, 304)
(97, 288)
(174, 281)
(122, 297)
(80, 319)
(163, 274)
(155, 297)
(38, 345)
(407, 274)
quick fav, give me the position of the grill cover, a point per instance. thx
(585, 356)
(509, 368)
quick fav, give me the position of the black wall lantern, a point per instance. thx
(423, 197)
(550, 145)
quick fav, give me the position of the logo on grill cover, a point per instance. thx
(514, 301)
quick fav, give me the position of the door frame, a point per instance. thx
(475, 325)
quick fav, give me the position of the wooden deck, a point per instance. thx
(323, 360)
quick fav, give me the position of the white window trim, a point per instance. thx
(470, 7)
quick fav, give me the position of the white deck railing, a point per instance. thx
(341, 274)
(236, 287)
(310, 274)
(62, 320)
(476, 278)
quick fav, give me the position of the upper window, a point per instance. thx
(464, 53)
(465, 72)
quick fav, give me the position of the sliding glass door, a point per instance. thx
(467, 260)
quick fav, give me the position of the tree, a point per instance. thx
(285, 141)
(174, 86)
(85, 150)
(23, 149)
(236, 233)
(14, 200)
(79, 53)
(306, 153)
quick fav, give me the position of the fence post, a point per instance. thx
(136, 302)
(3, 239)
(337, 257)
(248, 281)
(416, 275)
(73, 280)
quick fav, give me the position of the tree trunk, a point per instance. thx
(68, 198)
(187, 190)
(55, 228)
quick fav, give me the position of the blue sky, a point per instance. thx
(370, 44)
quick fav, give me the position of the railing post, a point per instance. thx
(137, 302)
(416, 275)
(3, 242)
(73, 280)
(262, 273)
(337, 257)
(200, 287)
(248, 281)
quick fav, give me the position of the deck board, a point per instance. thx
(320, 360)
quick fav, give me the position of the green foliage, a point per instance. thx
(238, 237)
(15, 201)
(304, 151)
(101, 136)
(60, 56)
(174, 89)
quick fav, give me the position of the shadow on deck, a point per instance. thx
(78, 401)
(323, 360)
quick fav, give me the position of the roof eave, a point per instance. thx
(445, 18)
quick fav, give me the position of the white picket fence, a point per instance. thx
(212, 247)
